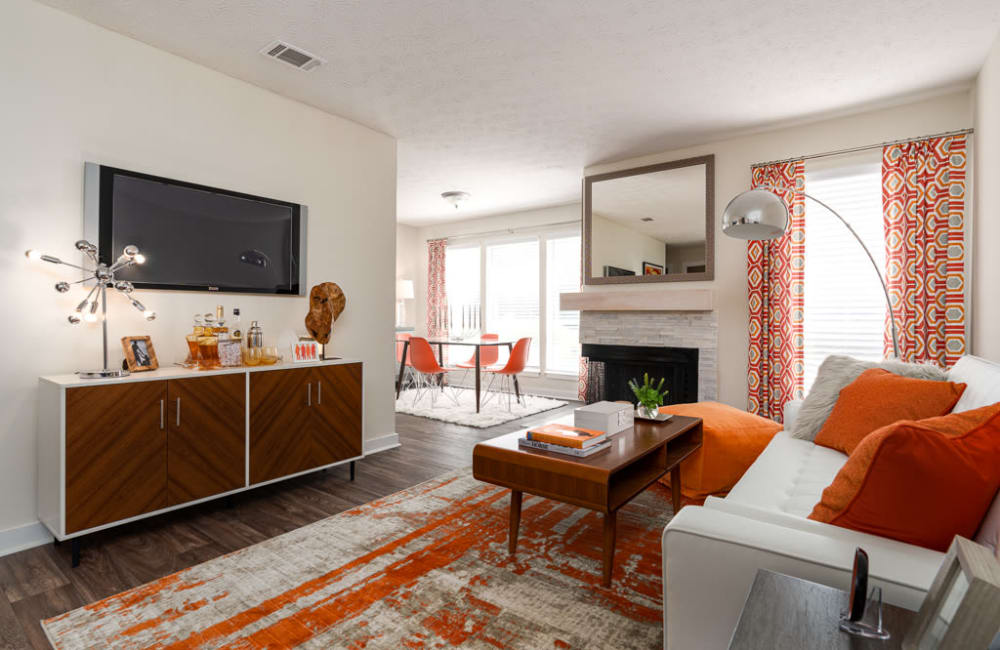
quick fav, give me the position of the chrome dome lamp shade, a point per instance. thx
(755, 214)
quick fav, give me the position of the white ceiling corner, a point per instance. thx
(509, 101)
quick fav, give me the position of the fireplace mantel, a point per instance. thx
(637, 300)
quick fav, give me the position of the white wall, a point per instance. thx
(732, 175)
(618, 245)
(407, 266)
(986, 229)
(74, 92)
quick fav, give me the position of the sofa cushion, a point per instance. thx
(731, 441)
(982, 379)
(989, 530)
(919, 482)
(877, 398)
(788, 476)
(834, 374)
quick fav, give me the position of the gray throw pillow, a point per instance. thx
(838, 371)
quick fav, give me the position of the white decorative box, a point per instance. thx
(610, 417)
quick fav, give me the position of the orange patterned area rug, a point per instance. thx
(424, 568)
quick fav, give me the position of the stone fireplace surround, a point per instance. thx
(679, 329)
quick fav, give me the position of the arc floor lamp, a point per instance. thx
(760, 214)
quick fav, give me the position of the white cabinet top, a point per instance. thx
(178, 372)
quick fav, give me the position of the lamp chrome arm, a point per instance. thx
(871, 258)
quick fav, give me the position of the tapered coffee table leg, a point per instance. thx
(610, 526)
(515, 520)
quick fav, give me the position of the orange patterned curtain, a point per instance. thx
(923, 205)
(775, 274)
(437, 294)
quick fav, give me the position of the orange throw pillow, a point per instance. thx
(731, 441)
(919, 482)
(877, 398)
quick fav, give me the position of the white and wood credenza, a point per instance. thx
(111, 451)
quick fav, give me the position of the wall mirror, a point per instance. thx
(650, 224)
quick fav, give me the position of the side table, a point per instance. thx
(786, 612)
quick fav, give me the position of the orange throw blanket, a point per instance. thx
(732, 441)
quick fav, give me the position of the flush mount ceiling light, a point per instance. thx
(455, 197)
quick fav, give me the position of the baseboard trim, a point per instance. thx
(21, 538)
(382, 443)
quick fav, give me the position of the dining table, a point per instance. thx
(475, 342)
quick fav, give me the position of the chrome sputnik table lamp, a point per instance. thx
(103, 277)
(761, 214)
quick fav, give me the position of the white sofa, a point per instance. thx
(711, 553)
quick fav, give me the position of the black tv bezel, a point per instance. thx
(105, 226)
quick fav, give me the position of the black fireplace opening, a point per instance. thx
(610, 367)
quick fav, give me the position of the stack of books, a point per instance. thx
(564, 439)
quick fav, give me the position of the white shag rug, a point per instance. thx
(492, 413)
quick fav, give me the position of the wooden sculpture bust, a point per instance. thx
(326, 303)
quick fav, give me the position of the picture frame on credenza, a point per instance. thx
(139, 353)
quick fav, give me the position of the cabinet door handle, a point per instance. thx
(178, 411)
(319, 392)
(162, 425)
(309, 394)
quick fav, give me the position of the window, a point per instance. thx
(512, 308)
(562, 270)
(461, 281)
(844, 304)
(519, 289)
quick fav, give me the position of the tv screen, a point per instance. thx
(195, 237)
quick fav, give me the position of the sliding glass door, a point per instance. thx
(517, 281)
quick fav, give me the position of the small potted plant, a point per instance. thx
(650, 396)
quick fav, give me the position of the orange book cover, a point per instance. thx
(565, 435)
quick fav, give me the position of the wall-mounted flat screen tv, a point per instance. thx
(195, 238)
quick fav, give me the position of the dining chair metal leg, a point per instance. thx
(489, 391)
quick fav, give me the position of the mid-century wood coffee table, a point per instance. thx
(605, 481)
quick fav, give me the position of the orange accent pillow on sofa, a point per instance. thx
(919, 482)
(877, 398)
(731, 441)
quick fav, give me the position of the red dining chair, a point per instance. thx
(428, 372)
(488, 355)
(516, 362)
(401, 340)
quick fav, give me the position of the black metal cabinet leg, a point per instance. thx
(76, 552)
(352, 470)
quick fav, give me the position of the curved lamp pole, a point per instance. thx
(760, 214)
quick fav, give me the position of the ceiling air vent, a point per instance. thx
(293, 56)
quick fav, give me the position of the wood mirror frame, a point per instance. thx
(709, 272)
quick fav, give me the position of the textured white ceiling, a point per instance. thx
(674, 199)
(511, 100)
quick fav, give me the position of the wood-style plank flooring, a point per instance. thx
(39, 583)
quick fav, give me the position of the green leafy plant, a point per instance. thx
(649, 396)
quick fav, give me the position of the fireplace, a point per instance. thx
(609, 367)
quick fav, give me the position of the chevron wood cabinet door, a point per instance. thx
(335, 431)
(280, 415)
(206, 441)
(116, 453)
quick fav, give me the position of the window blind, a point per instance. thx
(844, 304)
